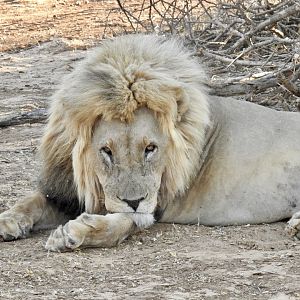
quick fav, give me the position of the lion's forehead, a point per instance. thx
(143, 127)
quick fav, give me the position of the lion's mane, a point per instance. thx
(112, 82)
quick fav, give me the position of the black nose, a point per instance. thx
(134, 203)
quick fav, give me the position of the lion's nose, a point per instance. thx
(134, 204)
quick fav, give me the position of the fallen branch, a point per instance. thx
(19, 118)
(253, 84)
(242, 87)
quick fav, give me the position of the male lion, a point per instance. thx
(133, 138)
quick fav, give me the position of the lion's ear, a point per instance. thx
(182, 102)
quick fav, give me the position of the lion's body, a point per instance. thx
(249, 179)
(133, 137)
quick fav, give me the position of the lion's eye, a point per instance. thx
(106, 150)
(150, 150)
(107, 153)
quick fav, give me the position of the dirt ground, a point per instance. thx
(164, 262)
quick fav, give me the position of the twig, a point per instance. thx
(129, 15)
(247, 63)
(288, 84)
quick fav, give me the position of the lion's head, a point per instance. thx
(129, 122)
(130, 161)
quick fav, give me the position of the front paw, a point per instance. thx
(293, 227)
(12, 229)
(61, 240)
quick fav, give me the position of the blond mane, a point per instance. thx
(117, 78)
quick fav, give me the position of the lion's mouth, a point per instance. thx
(142, 220)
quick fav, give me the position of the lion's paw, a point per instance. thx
(293, 227)
(60, 240)
(12, 229)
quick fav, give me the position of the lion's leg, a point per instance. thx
(293, 227)
(91, 231)
(33, 212)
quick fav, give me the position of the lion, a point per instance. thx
(134, 138)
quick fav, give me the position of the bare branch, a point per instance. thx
(234, 61)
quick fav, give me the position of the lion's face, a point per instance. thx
(130, 163)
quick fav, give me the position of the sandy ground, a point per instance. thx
(164, 262)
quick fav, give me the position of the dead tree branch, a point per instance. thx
(19, 118)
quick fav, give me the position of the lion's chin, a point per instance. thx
(142, 220)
